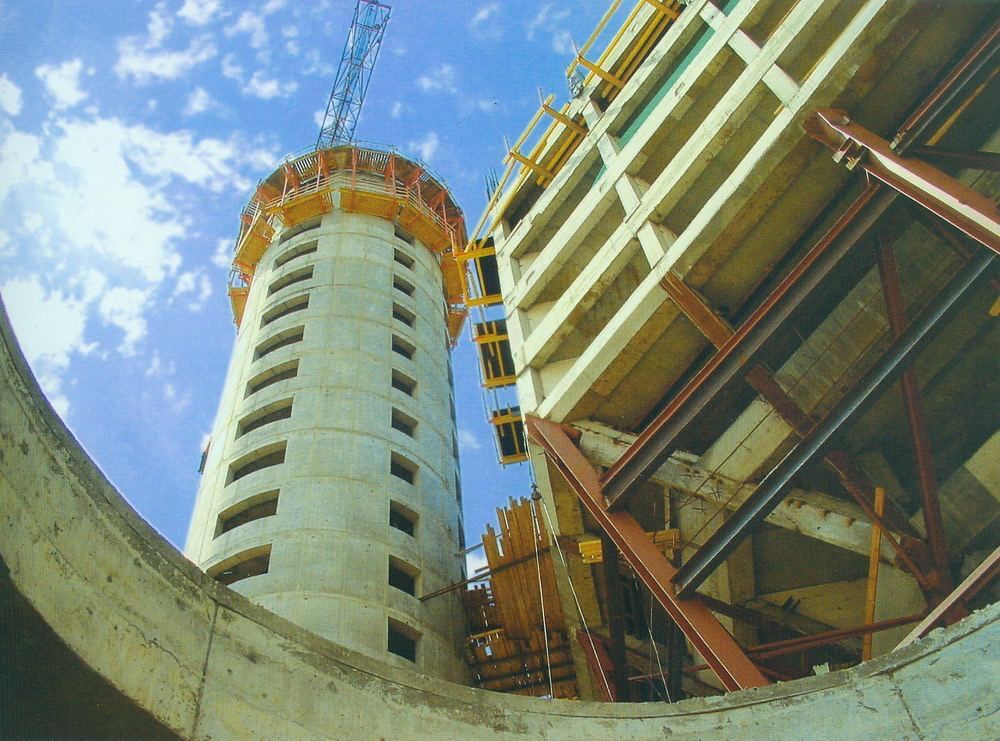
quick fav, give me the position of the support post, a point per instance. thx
(699, 625)
(776, 484)
(871, 593)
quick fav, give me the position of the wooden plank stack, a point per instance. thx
(506, 649)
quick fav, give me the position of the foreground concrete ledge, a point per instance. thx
(200, 660)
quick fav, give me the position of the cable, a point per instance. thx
(572, 589)
(536, 535)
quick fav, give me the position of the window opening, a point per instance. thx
(403, 422)
(282, 339)
(402, 382)
(403, 286)
(402, 347)
(264, 416)
(299, 250)
(285, 308)
(402, 576)
(280, 372)
(402, 641)
(402, 518)
(251, 562)
(296, 276)
(402, 468)
(265, 457)
(254, 508)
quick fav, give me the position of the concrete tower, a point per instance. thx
(330, 491)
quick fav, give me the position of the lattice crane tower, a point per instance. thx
(330, 490)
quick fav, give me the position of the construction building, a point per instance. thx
(330, 490)
(743, 281)
(735, 304)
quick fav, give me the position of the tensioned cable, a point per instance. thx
(536, 536)
(572, 589)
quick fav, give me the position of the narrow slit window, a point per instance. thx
(403, 259)
(264, 416)
(402, 518)
(402, 285)
(298, 229)
(405, 316)
(254, 508)
(403, 576)
(403, 468)
(280, 372)
(251, 562)
(265, 457)
(404, 423)
(296, 276)
(402, 382)
(299, 303)
(403, 235)
(402, 641)
(282, 339)
(402, 347)
(299, 250)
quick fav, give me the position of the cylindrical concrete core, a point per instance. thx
(330, 491)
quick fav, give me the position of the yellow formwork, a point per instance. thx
(666, 540)
(301, 207)
(436, 236)
(374, 204)
(508, 425)
(495, 358)
(255, 240)
(238, 302)
(481, 257)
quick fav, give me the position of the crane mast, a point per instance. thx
(364, 39)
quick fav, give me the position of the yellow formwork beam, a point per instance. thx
(666, 540)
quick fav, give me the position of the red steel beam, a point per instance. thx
(979, 578)
(987, 161)
(599, 663)
(654, 445)
(615, 605)
(913, 401)
(977, 58)
(969, 211)
(699, 625)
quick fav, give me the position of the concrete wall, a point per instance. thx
(187, 654)
(330, 539)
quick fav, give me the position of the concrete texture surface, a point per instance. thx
(330, 539)
(165, 649)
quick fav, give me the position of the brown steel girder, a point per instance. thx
(697, 622)
(855, 146)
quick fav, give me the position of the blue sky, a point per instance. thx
(131, 135)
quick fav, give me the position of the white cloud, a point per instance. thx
(260, 86)
(10, 96)
(253, 25)
(62, 82)
(440, 79)
(146, 59)
(124, 308)
(193, 282)
(467, 440)
(199, 12)
(198, 101)
(49, 323)
(551, 21)
(427, 147)
(272, 6)
(223, 255)
(483, 24)
(231, 69)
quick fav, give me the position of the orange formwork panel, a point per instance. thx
(452, 279)
(374, 204)
(422, 225)
(238, 302)
(455, 319)
(252, 245)
(495, 358)
(508, 425)
(484, 288)
(298, 208)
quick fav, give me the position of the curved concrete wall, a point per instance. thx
(330, 541)
(204, 662)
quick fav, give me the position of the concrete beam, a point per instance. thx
(872, 22)
(816, 515)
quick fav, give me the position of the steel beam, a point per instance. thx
(966, 209)
(913, 401)
(698, 624)
(777, 483)
(658, 440)
(986, 161)
(977, 580)
(598, 662)
(954, 82)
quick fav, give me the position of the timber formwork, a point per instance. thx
(749, 277)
